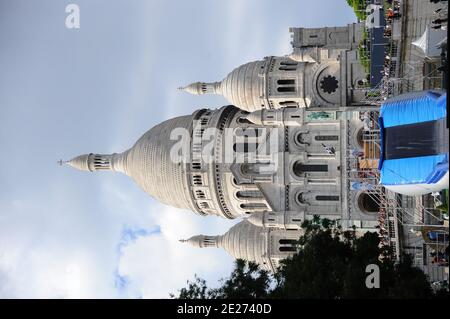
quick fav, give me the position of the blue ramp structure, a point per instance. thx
(414, 143)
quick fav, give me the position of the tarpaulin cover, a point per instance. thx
(413, 108)
(414, 139)
(413, 170)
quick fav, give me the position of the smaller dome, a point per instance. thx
(246, 241)
(244, 87)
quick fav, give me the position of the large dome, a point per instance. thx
(180, 182)
(149, 163)
(244, 86)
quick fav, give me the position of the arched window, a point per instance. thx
(286, 85)
(254, 206)
(286, 81)
(199, 194)
(286, 89)
(301, 139)
(287, 248)
(327, 197)
(288, 62)
(287, 241)
(196, 165)
(301, 199)
(204, 205)
(326, 137)
(360, 137)
(288, 104)
(300, 168)
(368, 203)
(197, 180)
(243, 120)
(249, 194)
(288, 66)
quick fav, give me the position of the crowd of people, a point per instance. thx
(439, 258)
(393, 13)
(383, 232)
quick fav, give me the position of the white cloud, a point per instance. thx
(155, 264)
(68, 251)
(158, 264)
(55, 250)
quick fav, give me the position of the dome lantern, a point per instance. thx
(97, 162)
(200, 88)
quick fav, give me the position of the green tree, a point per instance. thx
(330, 264)
(359, 7)
(196, 289)
(246, 281)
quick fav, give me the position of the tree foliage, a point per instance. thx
(246, 281)
(359, 7)
(330, 264)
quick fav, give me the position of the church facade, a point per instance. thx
(275, 158)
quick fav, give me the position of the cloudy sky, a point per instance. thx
(64, 92)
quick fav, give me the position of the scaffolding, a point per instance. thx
(404, 222)
(363, 175)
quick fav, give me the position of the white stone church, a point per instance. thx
(275, 157)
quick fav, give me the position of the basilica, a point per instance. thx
(276, 156)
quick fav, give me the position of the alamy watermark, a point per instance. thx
(229, 145)
(73, 17)
(373, 279)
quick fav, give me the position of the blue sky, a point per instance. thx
(65, 233)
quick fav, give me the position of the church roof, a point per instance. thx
(148, 162)
(242, 87)
(244, 240)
